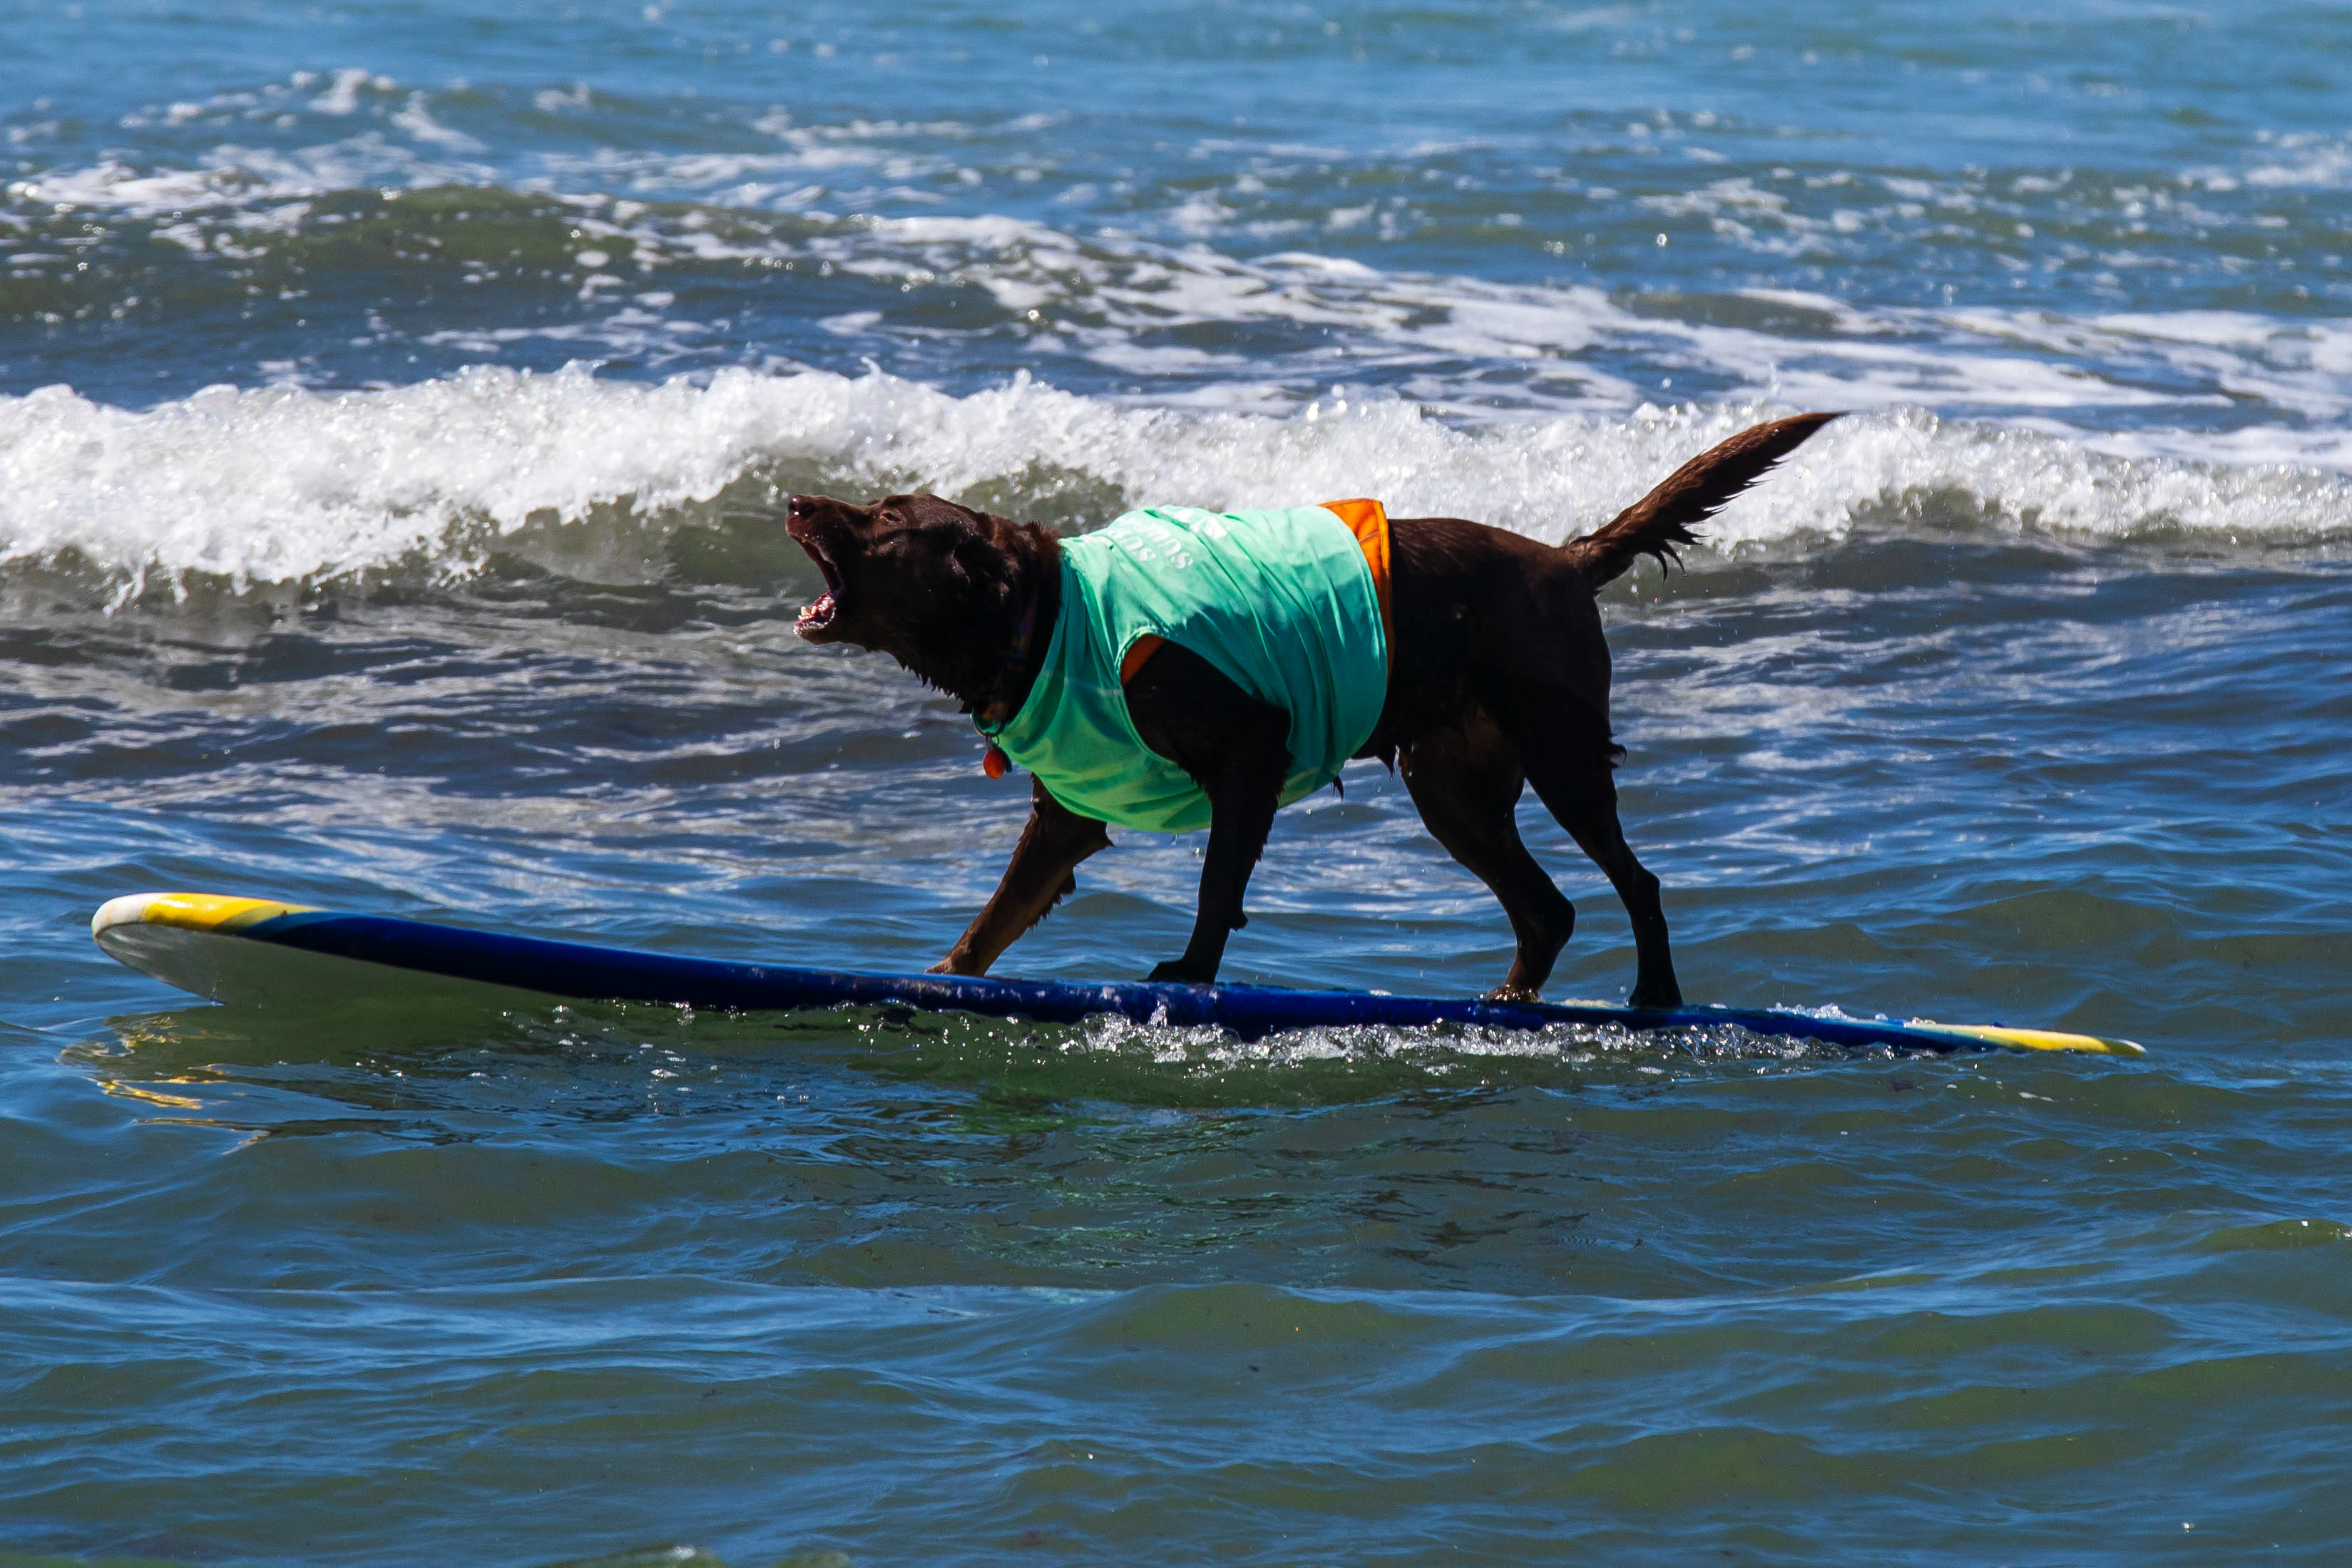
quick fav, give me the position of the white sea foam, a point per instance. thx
(231, 181)
(406, 145)
(2205, 420)
(284, 484)
(2191, 386)
(2173, 372)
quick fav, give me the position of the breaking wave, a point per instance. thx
(283, 484)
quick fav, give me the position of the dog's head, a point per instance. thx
(923, 580)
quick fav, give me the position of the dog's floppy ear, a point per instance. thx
(977, 546)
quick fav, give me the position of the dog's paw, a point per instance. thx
(1176, 971)
(1510, 993)
(1655, 998)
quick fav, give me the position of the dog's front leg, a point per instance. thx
(1238, 749)
(1043, 871)
(1242, 799)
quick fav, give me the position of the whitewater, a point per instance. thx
(286, 485)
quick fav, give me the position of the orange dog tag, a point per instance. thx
(994, 763)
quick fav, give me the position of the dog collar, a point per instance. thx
(997, 712)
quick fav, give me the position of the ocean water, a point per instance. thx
(396, 403)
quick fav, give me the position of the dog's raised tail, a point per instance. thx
(1660, 521)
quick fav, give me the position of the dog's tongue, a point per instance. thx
(818, 613)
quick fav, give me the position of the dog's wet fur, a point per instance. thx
(1498, 678)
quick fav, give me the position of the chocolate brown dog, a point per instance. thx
(1497, 678)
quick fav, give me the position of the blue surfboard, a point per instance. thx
(257, 950)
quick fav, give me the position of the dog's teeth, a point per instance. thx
(818, 614)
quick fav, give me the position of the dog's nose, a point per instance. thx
(796, 504)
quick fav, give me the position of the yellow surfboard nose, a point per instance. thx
(2038, 1039)
(190, 911)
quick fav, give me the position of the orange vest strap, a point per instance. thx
(1138, 654)
(1369, 520)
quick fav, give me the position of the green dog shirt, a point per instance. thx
(1289, 605)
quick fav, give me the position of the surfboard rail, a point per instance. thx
(177, 938)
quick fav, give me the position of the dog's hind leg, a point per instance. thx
(1467, 784)
(1041, 872)
(1569, 758)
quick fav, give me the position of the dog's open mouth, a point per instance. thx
(819, 614)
